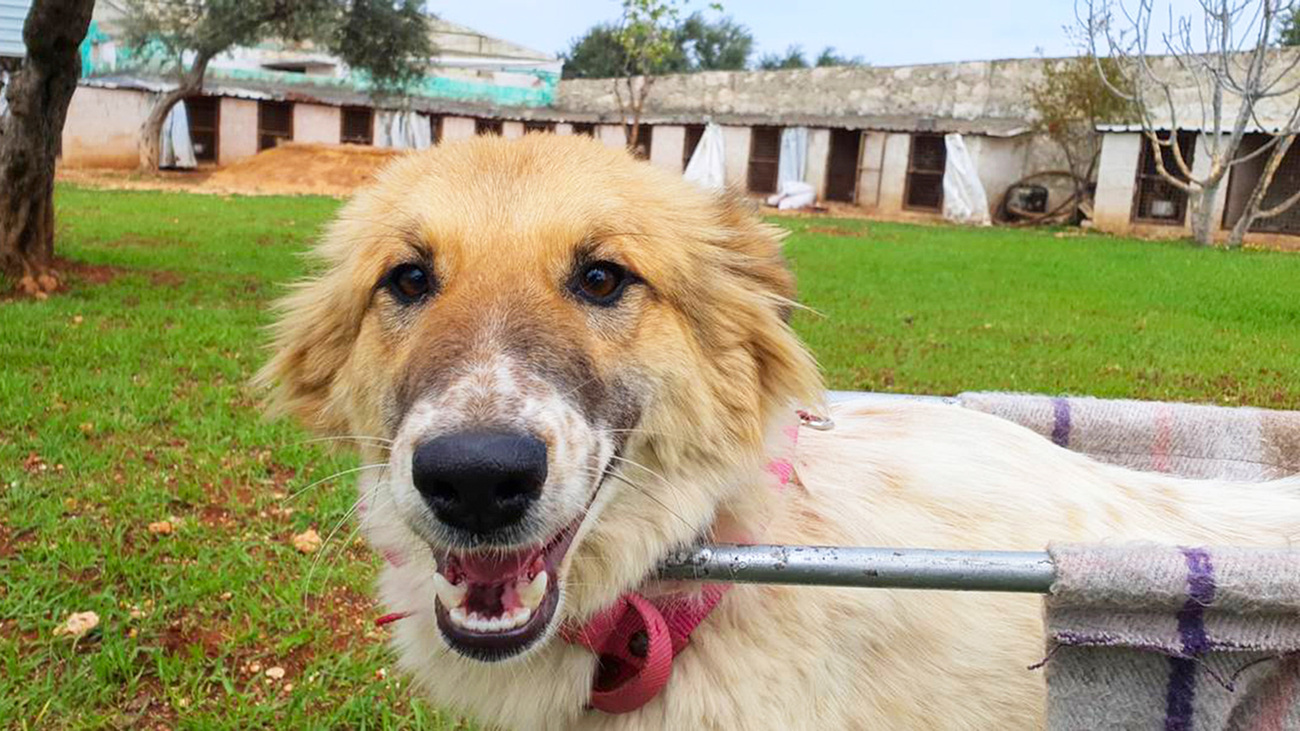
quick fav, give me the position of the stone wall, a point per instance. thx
(960, 90)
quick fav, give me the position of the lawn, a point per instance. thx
(125, 403)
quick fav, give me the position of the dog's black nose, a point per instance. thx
(480, 481)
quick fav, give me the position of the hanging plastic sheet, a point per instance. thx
(793, 162)
(404, 130)
(964, 200)
(176, 150)
(708, 165)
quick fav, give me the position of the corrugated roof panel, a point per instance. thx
(12, 15)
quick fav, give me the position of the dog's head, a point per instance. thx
(575, 356)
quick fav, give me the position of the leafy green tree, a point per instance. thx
(793, 59)
(718, 45)
(387, 39)
(1289, 27)
(828, 57)
(699, 44)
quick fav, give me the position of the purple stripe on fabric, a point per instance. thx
(1191, 632)
(1061, 422)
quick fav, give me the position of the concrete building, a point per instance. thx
(13, 13)
(875, 134)
(1132, 196)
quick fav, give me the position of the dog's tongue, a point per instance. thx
(495, 567)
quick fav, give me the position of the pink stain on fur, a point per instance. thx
(783, 470)
(394, 557)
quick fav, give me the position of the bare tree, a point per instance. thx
(1222, 64)
(1281, 143)
(37, 96)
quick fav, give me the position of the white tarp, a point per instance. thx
(792, 164)
(793, 194)
(964, 200)
(708, 166)
(403, 130)
(4, 93)
(176, 150)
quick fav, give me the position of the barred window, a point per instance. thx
(274, 124)
(1158, 200)
(925, 165)
(764, 157)
(358, 126)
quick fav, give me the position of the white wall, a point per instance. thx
(1116, 173)
(318, 123)
(666, 146)
(819, 150)
(457, 128)
(512, 130)
(236, 130)
(735, 150)
(873, 149)
(563, 128)
(613, 135)
(893, 173)
(103, 127)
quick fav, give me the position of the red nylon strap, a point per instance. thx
(633, 669)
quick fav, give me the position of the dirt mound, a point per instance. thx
(303, 168)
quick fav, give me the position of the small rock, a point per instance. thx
(255, 667)
(77, 624)
(275, 673)
(307, 541)
(161, 528)
(87, 427)
(227, 595)
(78, 319)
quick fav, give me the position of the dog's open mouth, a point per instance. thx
(493, 604)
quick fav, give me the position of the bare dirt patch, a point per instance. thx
(303, 168)
(848, 233)
(289, 169)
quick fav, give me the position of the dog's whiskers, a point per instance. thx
(359, 438)
(369, 497)
(334, 476)
(641, 489)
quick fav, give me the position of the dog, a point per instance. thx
(570, 363)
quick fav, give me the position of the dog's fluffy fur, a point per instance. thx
(674, 395)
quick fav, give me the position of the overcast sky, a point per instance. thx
(883, 32)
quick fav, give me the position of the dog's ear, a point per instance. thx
(314, 332)
(753, 300)
(759, 246)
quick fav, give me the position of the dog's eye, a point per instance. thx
(601, 283)
(409, 282)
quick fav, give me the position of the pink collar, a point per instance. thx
(636, 638)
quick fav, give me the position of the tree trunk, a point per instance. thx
(38, 96)
(191, 83)
(1201, 202)
(151, 130)
(1252, 211)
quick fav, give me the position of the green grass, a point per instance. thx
(942, 310)
(125, 402)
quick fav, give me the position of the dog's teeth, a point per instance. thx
(457, 616)
(450, 594)
(530, 594)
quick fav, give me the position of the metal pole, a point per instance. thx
(888, 568)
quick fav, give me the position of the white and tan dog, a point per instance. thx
(572, 363)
